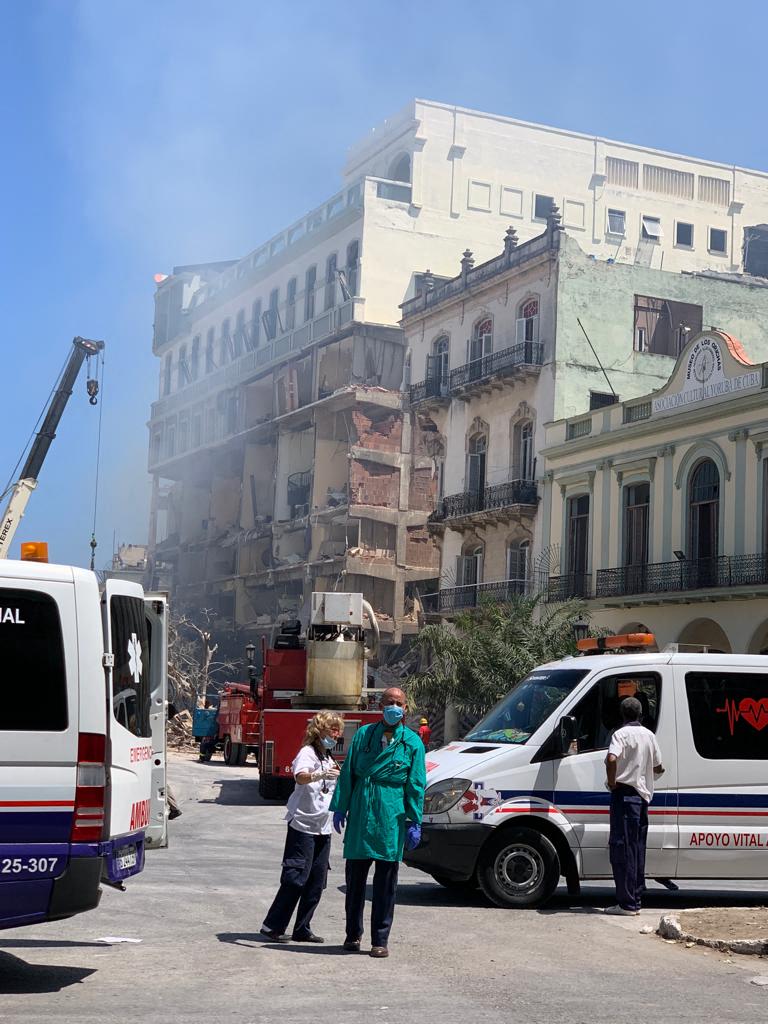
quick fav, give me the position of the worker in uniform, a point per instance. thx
(378, 801)
(631, 765)
(425, 733)
(308, 842)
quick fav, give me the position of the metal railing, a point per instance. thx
(689, 574)
(497, 497)
(456, 599)
(568, 586)
(299, 488)
(526, 353)
(432, 387)
(581, 428)
(635, 413)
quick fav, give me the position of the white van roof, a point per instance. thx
(593, 662)
(47, 572)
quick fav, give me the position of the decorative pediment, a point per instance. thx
(712, 366)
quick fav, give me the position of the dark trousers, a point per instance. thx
(384, 892)
(305, 870)
(628, 836)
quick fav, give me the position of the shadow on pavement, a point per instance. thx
(430, 894)
(238, 793)
(594, 900)
(50, 943)
(17, 977)
(251, 939)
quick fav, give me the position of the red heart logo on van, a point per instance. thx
(755, 712)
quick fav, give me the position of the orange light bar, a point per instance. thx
(613, 643)
(34, 551)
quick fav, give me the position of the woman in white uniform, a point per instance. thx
(308, 843)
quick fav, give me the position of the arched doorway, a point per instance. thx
(400, 168)
(704, 522)
(706, 633)
(759, 642)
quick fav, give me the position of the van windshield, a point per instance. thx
(518, 715)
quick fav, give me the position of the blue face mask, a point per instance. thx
(393, 714)
(329, 742)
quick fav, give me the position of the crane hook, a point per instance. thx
(92, 386)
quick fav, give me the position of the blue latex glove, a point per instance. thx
(412, 836)
(339, 820)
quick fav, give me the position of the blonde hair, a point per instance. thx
(323, 721)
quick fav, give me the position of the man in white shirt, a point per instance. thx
(632, 763)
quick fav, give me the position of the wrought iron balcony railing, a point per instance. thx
(432, 387)
(526, 353)
(457, 599)
(490, 499)
(689, 574)
(568, 586)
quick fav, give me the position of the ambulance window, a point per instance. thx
(33, 683)
(729, 711)
(598, 713)
(130, 676)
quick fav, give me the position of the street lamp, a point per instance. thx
(580, 630)
(250, 657)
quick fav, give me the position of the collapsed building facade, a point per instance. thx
(282, 453)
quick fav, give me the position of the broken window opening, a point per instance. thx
(662, 326)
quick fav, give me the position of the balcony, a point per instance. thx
(526, 356)
(683, 576)
(433, 389)
(495, 504)
(459, 599)
(569, 586)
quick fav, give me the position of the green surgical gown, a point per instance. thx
(380, 789)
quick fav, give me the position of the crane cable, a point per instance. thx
(98, 459)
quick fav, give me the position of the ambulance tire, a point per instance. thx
(518, 868)
(269, 787)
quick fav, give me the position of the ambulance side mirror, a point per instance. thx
(566, 734)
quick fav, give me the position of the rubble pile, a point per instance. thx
(179, 730)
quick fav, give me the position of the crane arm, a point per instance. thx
(22, 489)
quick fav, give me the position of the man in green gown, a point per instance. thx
(379, 798)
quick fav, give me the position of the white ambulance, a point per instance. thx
(522, 800)
(82, 737)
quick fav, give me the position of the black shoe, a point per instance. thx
(274, 936)
(352, 945)
(308, 937)
(379, 952)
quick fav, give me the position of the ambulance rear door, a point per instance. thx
(156, 606)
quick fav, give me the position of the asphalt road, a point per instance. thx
(198, 907)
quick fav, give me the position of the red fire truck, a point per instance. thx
(325, 669)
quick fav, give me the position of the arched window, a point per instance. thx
(225, 343)
(239, 341)
(480, 346)
(518, 567)
(527, 327)
(469, 568)
(577, 543)
(704, 511)
(400, 168)
(210, 361)
(194, 362)
(183, 369)
(476, 467)
(438, 364)
(290, 305)
(523, 461)
(255, 332)
(353, 267)
(310, 283)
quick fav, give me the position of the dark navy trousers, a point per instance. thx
(305, 870)
(384, 892)
(628, 836)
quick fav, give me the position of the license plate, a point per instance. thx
(125, 859)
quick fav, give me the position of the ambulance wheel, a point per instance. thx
(269, 787)
(518, 868)
(230, 750)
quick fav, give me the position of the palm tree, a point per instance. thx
(477, 659)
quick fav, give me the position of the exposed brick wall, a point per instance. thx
(420, 549)
(373, 484)
(384, 434)
(423, 490)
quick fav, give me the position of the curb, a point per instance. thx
(670, 928)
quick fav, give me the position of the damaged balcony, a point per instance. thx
(299, 493)
(501, 503)
(497, 370)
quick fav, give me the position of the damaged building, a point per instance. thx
(281, 455)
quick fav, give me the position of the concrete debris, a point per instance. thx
(730, 929)
(179, 730)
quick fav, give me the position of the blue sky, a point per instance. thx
(137, 135)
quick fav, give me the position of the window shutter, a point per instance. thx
(520, 329)
(535, 332)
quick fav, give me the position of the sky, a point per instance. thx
(139, 135)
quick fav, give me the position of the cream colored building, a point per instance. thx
(659, 505)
